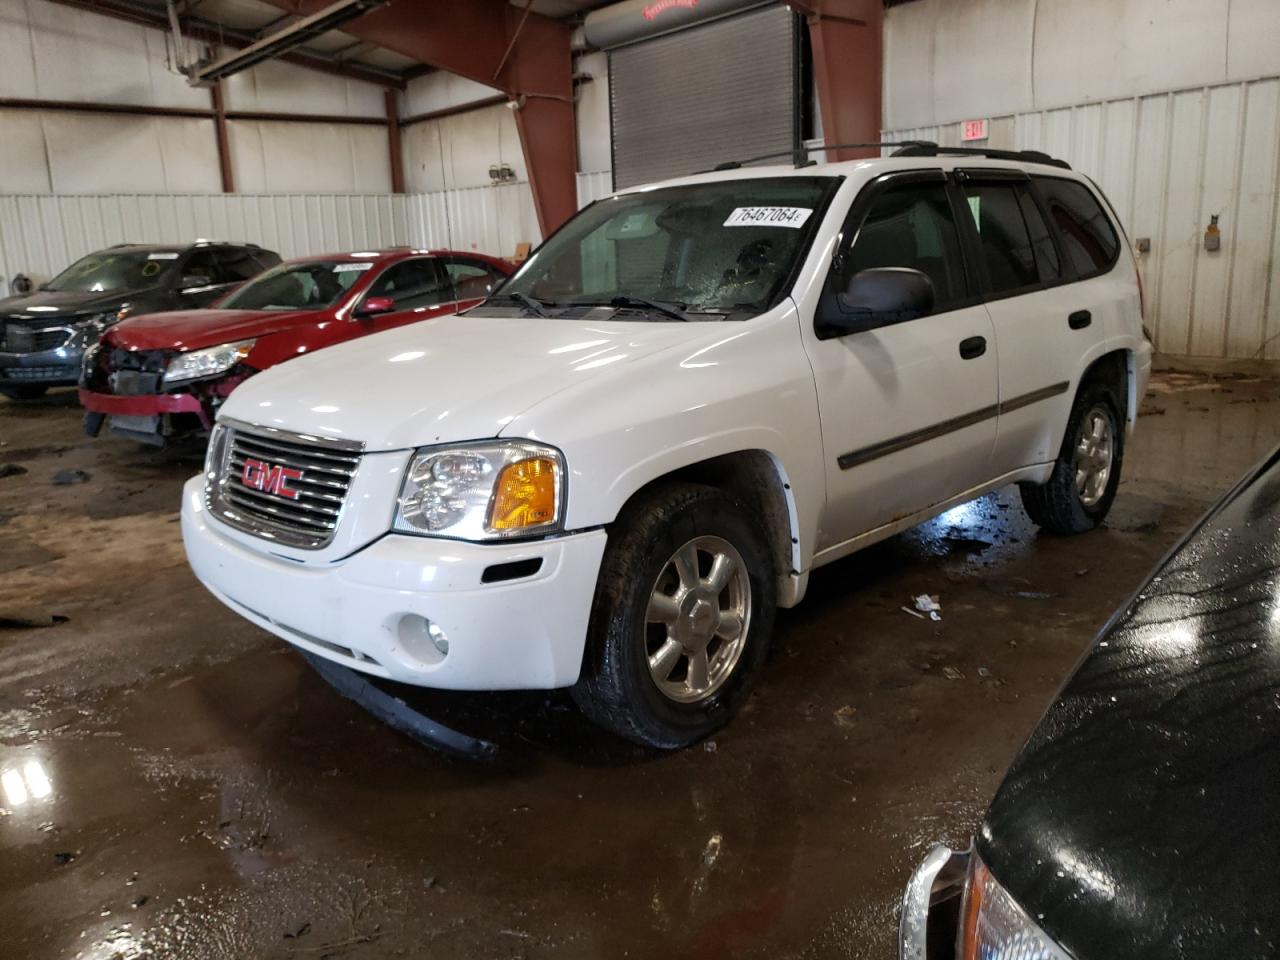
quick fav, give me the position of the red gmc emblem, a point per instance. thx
(270, 478)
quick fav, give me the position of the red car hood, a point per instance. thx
(195, 329)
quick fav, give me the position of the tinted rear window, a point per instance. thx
(1088, 238)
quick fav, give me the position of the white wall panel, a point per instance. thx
(104, 153)
(1002, 30)
(40, 235)
(279, 157)
(455, 153)
(595, 139)
(489, 220)
(24, 166)
(74, 55)
(441, 90)
(1095, 49)
(285, 88)
(1168, 162)
(594, 186)
(1253, 38)
(947, 61)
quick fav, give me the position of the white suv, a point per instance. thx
(610, 474)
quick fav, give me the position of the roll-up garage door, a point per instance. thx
(725, 90)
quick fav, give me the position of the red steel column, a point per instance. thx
(848, 64)
(523, 54)
(220, 131)
(393, 142)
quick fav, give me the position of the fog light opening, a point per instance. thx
(422, 639)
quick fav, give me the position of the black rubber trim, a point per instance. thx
(397, 714)
(514, 570)
(848, 461)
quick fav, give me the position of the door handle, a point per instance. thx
(1080, 319)
(972, 347)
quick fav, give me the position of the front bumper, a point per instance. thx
(53, 368)
(146, 405)
(362, 611)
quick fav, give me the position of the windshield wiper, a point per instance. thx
(673, 310)
(538, 307)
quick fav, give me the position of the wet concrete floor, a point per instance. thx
(177, 783)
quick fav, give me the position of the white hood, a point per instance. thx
(449, 379)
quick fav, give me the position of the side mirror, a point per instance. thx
(373, 306)
(877, 298)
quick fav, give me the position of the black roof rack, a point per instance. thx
(923, 148)
(800, 155)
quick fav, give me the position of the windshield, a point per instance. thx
(103, 272)
(313, 285)
(728, 248)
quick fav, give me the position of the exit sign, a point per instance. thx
(974, 130)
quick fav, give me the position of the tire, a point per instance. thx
(1066, 504)
(24, 391)
(617, 688)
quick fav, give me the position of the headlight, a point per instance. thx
(214, 452)
(483, 491)
(206, 363)
(89, 360)
(987, 924)
(996, 928)
(89, 329)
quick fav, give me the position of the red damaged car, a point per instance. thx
(160, 378)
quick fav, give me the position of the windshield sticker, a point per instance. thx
(150, 269)
(351, 267)
(162, 256)
(793, 217)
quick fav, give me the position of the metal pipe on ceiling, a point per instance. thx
(281, 41)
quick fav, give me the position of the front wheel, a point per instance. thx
(1085, 476)
(683, 611)
(24, 391)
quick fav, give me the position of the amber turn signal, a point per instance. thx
(525, 495)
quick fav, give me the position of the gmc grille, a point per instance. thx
(281, 486)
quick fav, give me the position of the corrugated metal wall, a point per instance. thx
(42, 234)
(486, 219)
(1169, 162)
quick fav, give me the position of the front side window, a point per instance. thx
(203, 268)
(237, 265)
(726, 248)
(912, 226)
(472, 280)
(412, 284)
(102, 272)
(1007, 251)
(310, 285)
(1088, 237)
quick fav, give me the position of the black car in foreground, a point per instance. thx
(44, 334)
(1141, 820)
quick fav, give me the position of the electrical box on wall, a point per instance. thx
(1212, 235)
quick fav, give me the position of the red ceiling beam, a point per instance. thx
(523, 54)
(847, 68)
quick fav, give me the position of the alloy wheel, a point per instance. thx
(697, 620)
(1095, 451)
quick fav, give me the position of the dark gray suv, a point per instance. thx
(44, 334)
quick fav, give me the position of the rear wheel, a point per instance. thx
(1085, 476)
(24, 391)
(681, 619)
